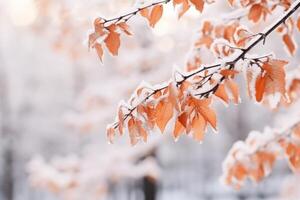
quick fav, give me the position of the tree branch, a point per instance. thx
(261, 37)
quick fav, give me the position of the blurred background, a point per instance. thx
(56, 99)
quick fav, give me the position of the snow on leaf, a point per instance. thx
(141, 130)
(172, 97)
(184, 7)
(234, 89)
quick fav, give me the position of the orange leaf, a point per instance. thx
(296, 131)
(198, 127)
(234, 90)
(208, 114)
(175, 2)
(249, 77)
(260, 88)
(178, 129)
(99, 26)
(199, 4)
(255, 12)
(155, 15)
(231, 2)
(110, 132)
(173, 96)
(288, 41)
(133, 133)
(183, 119)
(275, 76)
(298, 23)
(151, 114)
(164, 112)
(221, 93)
(142, 132)
(185, 7)
(113, 42)
(240, 172)
(228, 72)
(205, 40)
(92, 39)
(121, 121)
(125, 28)
(99, 50)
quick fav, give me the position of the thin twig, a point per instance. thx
(127, 16)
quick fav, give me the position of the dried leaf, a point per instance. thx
(221, 93)
(172, 97)
(155, 15)
(113, 42)
(142, 132)
(145, 13)
(182, 118)
(234, 88)
(198, 127)
(178, 129)
(255, 12)
(228, 72)
(121, 121)
(133, 132)
(275, 77)
(110, 132)
(231, 2)
(207, 113)
(164, 112)
(298, 23)
(185, 7)
(99, 50)
(260, 88)
(249, 77)
(290, 44)
(199, 4)
(125, 28)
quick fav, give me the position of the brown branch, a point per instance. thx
(231, 64)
